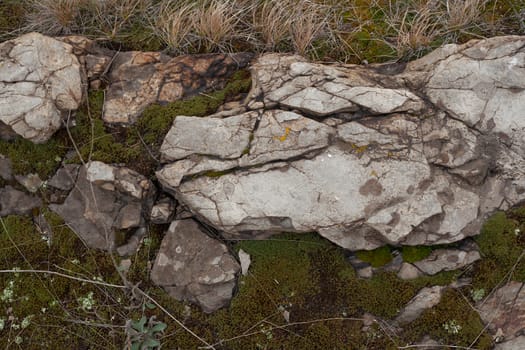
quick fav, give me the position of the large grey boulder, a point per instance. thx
(40, 81)
(192, 266)
(105, 199)
(366, 156)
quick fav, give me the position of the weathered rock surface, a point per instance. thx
(425, 299)
(447, 260)
(6, 171)
(106, 198)
(138, 79)
(368, 155)
(40, 81)
(15, 202)
(163, 211)
(504, 310)
(192, 266)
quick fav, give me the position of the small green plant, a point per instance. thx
(142, 334)
(452, 327)
(477, 294)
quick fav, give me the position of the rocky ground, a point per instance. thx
(297, 204)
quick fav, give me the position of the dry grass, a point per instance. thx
(314, 28)
(172, 21)
(54, 17)
(216, 24)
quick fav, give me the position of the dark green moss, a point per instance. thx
(27, 157)
(452, 322)
(412, 254)
(501, 243)
(377, 257)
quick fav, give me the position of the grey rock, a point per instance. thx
(106, 198)
(40, 81)
(517, 343)
(245, 260)
(14, 202)
(6, 171)
(503, 311)
(163, 211)
(409, 272)
(366, 156)
(65, 177)
(31, 182)
(133, 243)
(425, 299)
(192, 266)
(446, 260)
(365, 272)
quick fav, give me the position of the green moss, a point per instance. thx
(501, 242)
(453, 322)
(377, 257)
(412, 254)
(27, 157)
(92, 138)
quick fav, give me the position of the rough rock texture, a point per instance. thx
(14, 202)
(425, 299)
(6, 171)
(446, 260)
(138, 79)
(192, 266)
(106, 198)
(163, 211)
(368, 155)
(514, 344)
(40, 81)
(505, 310)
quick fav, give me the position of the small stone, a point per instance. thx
(31, 182)
(446, 260)
(162, 211)
(409, 272)
(365, 272)
(6, 171)
(245, 261)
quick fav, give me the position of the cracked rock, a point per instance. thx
(40, 82)
(504, 310)
(194, 267)
(106, 198)
(446, 260)
(138, 79)
(365, 156)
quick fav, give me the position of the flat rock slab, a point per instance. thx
(504, 310)
(40, 81)
(192, 266)
(15, 202)
(138, 79)
(106, 198)
(365, 156)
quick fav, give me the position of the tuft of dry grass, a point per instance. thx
(54, 17)
(216, 24)
(462, 14)
(172, 21)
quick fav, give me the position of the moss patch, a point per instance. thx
(377, 257)
(412, 254)
(452, 322)
(27, 157)
(501, 242)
